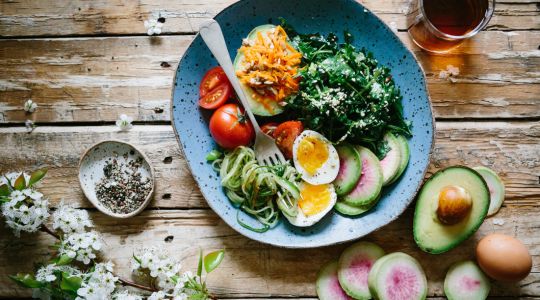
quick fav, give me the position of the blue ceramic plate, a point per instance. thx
(191, 123)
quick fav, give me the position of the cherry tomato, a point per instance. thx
(216, 97)
(285, 134)
(230, 127)
(269, 128)
(211, 80)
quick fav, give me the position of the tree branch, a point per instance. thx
(49, 231)
(136, 285)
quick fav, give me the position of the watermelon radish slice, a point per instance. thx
(397, 276)
(369, 185)
(354, 266)
(328, 287)
(405, 154)
(465, 281)
(496, 189)
(391, 162)
(350, 169)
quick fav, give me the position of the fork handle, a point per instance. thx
(213, 37)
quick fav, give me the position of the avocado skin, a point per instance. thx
(468, 232)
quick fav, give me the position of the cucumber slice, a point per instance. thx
(256, 105)
(350, 169)
(327, 284)
(391, 162)
(354, 266)
(397, 276)
(496, 189)
(369, 185)
(465, 281)
(405, 155)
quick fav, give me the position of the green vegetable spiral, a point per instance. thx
(258, 189)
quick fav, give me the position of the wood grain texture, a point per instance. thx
(510, 148)
(96, 79)
(251, 269)
(102, 17)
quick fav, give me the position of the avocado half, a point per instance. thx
(256, 106)
(433, 236)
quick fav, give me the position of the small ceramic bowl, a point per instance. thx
(91, 171)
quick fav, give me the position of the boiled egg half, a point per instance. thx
(315, 158)
(314, 203)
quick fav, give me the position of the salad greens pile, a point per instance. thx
(344, 93)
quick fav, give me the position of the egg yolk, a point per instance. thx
(313, 198)
(312, 154)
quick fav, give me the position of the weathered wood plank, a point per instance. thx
(510, 148)
(58, 18)
(255, 270)
(96, 79)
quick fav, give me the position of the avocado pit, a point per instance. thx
(454, 205)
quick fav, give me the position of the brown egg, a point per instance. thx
(503, 257)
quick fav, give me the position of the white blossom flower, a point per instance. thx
(81, 246)
(125, 295)
(158, 264)
(30, 106)
(153, 25)
(71, 220)
(158, 296)
(30, 126)
(124, 123)
(449, 73)
(46, 273)
(99, 284)
(25, 210)
(33, 194)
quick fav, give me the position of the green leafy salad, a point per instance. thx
(344, 93)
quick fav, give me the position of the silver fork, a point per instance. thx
(266, 151)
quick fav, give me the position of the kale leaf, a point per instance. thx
(344, 93)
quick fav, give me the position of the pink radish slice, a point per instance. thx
(391, 162)
(328, 287)
(496, 189)
(369, 185)
(350, 168)
(398, 277)
(354, 266)
(465, 281)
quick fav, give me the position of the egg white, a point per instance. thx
(328, 171)
(302, 220)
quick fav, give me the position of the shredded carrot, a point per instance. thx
(270, 67)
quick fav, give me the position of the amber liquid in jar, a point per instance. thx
(445, 22)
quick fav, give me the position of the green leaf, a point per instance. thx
(63, 260)
(213, 155)
(70, 283)
(199, 267)
(212, 260)
(26, 280)
(138, 260)
(20, 183)
(4, 190)
(175, 278)
(37, 176)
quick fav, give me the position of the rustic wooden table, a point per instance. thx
(86, 62)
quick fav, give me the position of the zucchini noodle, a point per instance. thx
(261, 191)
